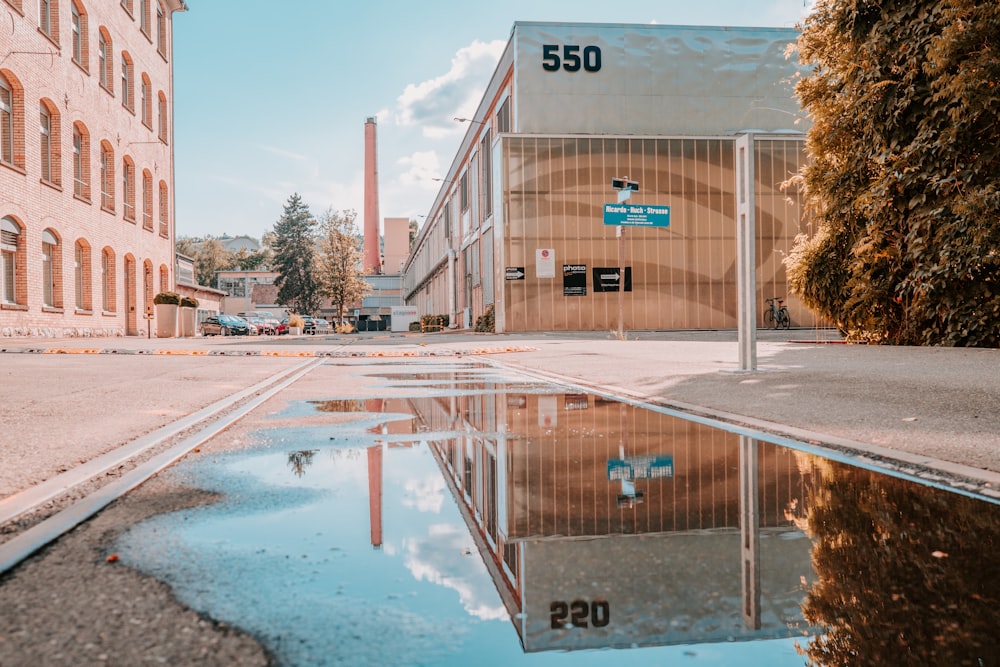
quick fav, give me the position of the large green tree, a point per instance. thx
(340, 273)
(904, 181)
(294, 247)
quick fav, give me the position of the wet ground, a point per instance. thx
(440, 512)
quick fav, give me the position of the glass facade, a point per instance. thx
(679, 277)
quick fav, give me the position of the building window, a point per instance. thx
(78, 18)
(463, 192)
(486, 178)
(147, 200)
(127, 6)
(104, 60)
(161, 31)
(162, 109)
(128, 188)
(7, 124)
(503, 117)
(128, 94)
(45, 132)
(164, 211)
(10, 237)
(49, 130)
(146, 102)
(81, 162)
(81, 275)
(51, 270)
(107, 177)
(144, 17)
(107, 281)
(48, 18)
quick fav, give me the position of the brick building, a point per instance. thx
(86, 164)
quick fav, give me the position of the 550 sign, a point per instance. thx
(571, 57)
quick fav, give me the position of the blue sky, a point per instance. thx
(271, 98)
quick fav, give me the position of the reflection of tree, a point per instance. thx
(908, 575)
(340, 405)
(298, 461)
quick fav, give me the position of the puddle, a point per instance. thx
(503, 523)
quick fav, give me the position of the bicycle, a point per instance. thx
(776, 316)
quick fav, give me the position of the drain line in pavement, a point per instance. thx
(31, 540)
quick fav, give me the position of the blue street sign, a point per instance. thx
(636, 215)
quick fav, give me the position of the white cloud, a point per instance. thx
(432, 104)
(420, 168)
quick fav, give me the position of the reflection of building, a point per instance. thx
(519, 221)
(538, 478)
(86, 165)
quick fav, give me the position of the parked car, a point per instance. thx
(276, 326)
(260, 326)
(224, 325)
(322, 326)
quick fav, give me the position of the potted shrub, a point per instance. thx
(295, 325)
(166, 304)
(188, 316)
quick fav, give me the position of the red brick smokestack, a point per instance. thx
(372, 258)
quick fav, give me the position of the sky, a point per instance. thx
(270, 99)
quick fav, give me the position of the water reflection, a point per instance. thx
(581, 523)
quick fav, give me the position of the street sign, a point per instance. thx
(606, 279)
(636, 215)
(514, 273)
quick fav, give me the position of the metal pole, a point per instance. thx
(621, 282)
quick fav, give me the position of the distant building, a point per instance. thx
(520, 221)
(86, 165)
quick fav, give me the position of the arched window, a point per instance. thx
(51, 270)
(162, 108)
(11, 121)
(164, 210)
(82, 276)
(107, 67)
(128, 87)
(108, 280)
(13, 282)
(147, 200)
(81, 45)
(128, 188)
(107, 177)
(164, 278)
(81, 161)
(50, 130)
(146, 101)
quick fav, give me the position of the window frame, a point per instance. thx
(81, 162)
(128, 188)
(107, 177)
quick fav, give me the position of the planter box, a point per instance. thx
(188, 319)
(294, 331)
(166, 320)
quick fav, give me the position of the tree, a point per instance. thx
(294, 246)
(904, 181)
(340, 276)
(907, 574)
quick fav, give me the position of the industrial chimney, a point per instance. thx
(372, 259)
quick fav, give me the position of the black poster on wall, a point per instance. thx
(574, 280)
(606, 278)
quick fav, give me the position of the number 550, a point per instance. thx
(571, 60)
